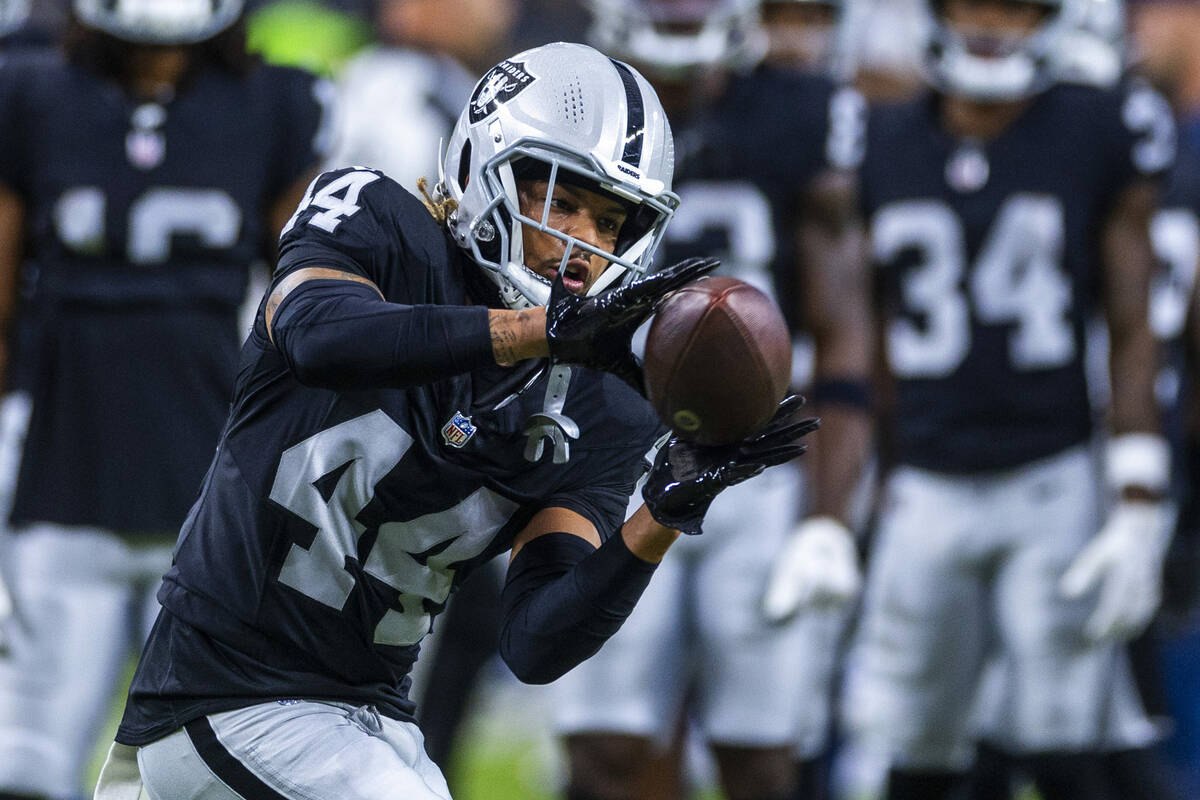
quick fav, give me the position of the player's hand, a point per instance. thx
(596, 331)
(1124, 564)
(818, 568)
(687, 476)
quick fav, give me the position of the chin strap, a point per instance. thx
(550, 423)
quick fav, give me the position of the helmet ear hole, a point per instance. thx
(464, 164)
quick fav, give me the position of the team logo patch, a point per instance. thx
(145, 149)
(502, 83)
(968, 169)
(459, 430)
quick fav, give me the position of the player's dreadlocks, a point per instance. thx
(439, 205)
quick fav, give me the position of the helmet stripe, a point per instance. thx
(635, 125)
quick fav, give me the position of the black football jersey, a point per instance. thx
(333, 525)
(742, 164)
(142, 222)
(989, 267)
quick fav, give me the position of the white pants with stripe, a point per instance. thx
(83, 605)
(964, 575)
(281, 750)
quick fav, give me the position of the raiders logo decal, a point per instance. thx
(502, 83)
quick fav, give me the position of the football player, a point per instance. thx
(395, 423)
(1094, 53)
(397, 102)
(1007, 209)
(142, 175)
(765, 178)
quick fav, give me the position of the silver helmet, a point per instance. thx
(573, 115)
(13, 14)
(677, 37)
(165, 22)
(1013, 69)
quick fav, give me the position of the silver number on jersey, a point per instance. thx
(209, 214)
(366, 449)
(468, 527)
(847, 140)
(738, 210)
(1017, 279)
(156, 216)
(1148, 114)
(931, 289)
(1175, 234)
(336, 208)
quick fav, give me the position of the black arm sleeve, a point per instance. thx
(342, 335)
(562, 599)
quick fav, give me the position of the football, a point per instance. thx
(718, 360)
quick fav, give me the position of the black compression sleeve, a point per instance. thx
(562, 599)
(339, 334)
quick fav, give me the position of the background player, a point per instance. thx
(399, 100)
(143, 174)
(389, 433)
(764, 179)
(1094, 53)
(1017, 206)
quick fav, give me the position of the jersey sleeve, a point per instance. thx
(846, 129)
(302, 125)
(1144, 134)
(359, 221)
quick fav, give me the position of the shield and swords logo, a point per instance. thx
(502, 83)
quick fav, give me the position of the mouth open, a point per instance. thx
(575, 275)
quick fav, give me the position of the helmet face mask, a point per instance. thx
(997, 66)
(159, 22)
(676, 38)
(569, 115)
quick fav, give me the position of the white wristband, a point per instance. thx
(1138, 459)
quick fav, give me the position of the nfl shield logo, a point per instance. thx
(458, 431)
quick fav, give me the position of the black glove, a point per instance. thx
(596, 331)
(687, 476)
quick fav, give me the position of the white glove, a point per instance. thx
(817, 568)
(1124, 561)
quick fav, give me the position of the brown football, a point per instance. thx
(718, 360)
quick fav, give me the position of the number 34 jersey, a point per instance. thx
(989, 267)
(142, 220)
(333, 525)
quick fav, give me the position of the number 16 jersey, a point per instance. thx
(990, 266)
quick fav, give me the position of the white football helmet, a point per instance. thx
(13, 14)
(990, 70)
(567, 113)
(674, 38)
(165, 22)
